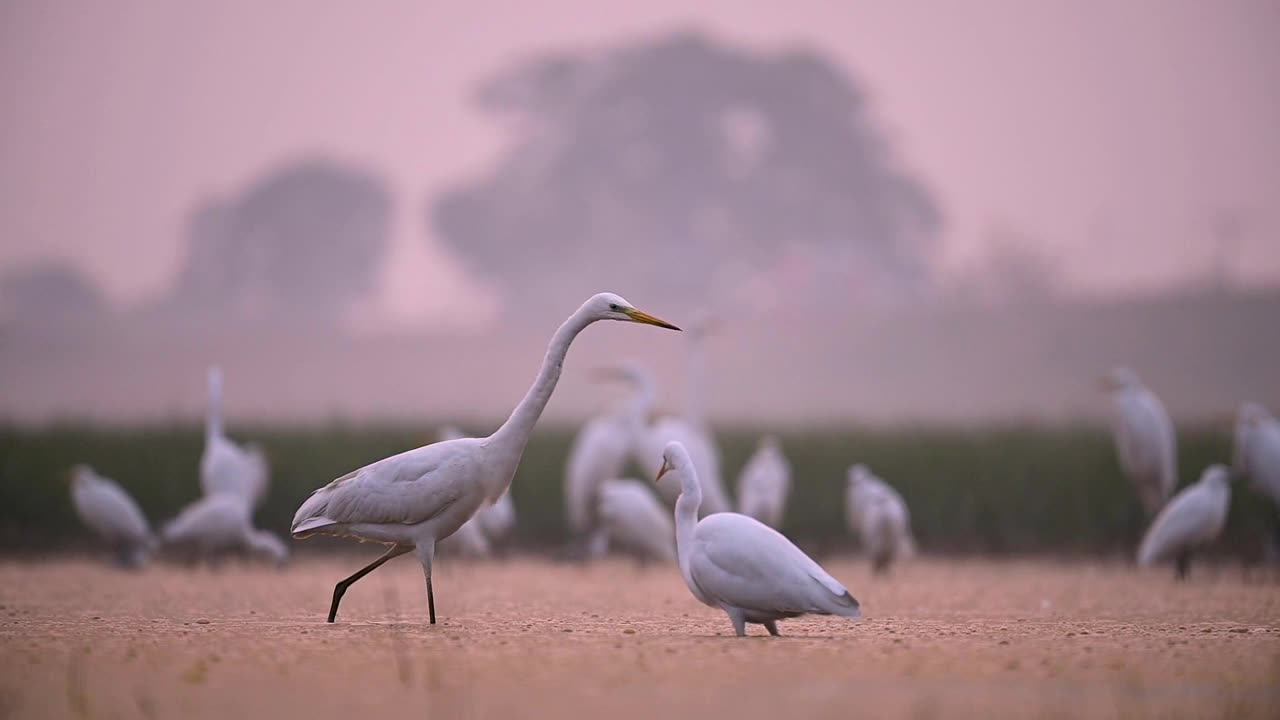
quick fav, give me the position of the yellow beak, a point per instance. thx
(647, 319)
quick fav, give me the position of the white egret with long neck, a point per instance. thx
(1144, 437)
(600, 450)
(413, 500)
(744, 567)
(225, 467)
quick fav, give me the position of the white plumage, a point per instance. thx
(1144, 437)
(220, 523)
(764, 484)
(413, 500)
(744, 567)
(1192, 519)
(110, 512)
(225, 467)
(879, 516)
(1257, 449)
(635, 520)
(601, 448)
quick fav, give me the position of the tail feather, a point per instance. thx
(847, 606)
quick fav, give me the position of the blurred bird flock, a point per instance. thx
(785, 168)
(999, 491)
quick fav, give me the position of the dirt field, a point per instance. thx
(531, 638)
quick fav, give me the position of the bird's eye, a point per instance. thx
(613, 307)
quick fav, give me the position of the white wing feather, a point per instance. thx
(408, 488)
(741, 562)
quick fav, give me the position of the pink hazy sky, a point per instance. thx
(1112, 133)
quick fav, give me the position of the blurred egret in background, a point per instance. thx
(413, 500)
(1256, 454)
(225, 467)
(110, 512)
(1192, 519)
(764, 483)
(744, 567)
(1144, 437)
(600, 451)
(220, 524)
(635, 521)
(879, 516)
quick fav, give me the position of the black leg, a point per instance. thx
(341, 588)
(1183, 565)
(431, 602)
(772, 627)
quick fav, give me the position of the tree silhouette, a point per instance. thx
(51, 292)
(682, 166)
(301, 244)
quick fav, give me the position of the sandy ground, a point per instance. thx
(532, 638)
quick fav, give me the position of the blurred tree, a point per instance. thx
(50, 292)
(301, 244)
(688, 168)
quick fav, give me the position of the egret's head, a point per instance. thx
(1121, 378)
(1252, 415)
(674, 457)
(859, 473)
(607, 306)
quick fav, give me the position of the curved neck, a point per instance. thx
(510, 439)
(686, 516)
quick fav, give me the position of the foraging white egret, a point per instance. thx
(878, 514)
(1144, 437)
(1192, 519)
(221, 523)
(600, 449)
(1257, 449)
(764, 483)
(226, 467)
(744, 567)
(413, 500)
(109, 511)
(692, 430)
(634, 519)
